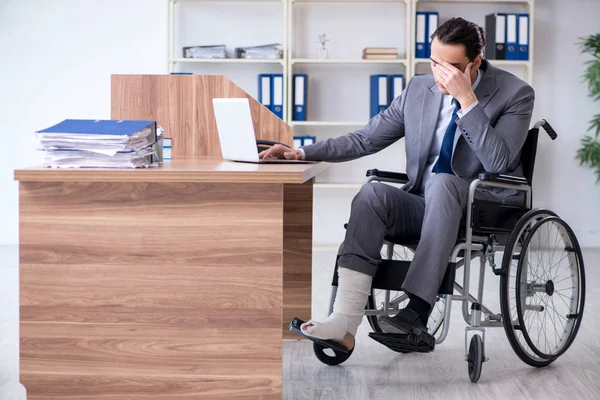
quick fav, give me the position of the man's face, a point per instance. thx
(454, 54)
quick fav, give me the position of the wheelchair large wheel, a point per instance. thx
(399, 299)
(542, 288)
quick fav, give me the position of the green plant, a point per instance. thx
(589, 153)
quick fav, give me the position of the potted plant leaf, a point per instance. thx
(589, 153)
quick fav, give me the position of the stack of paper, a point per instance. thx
(267, 51)
(214, 51)
(101, 144)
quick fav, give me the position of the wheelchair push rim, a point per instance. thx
(556, 292)
(523, 308)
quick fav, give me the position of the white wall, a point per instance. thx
(561, 98)
(58, 56)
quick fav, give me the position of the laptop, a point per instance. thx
(236, 132)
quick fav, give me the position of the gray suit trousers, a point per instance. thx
(380, 209)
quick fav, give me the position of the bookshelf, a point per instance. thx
(391, 23)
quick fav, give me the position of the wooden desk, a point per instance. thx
(164, 283)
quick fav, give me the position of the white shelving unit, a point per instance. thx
(297, 58)
(523, 6)
(175, 61)
(224, 61)
(342, 61)
(327, 123)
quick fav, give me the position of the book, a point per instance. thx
(381, 50)
(380, 57)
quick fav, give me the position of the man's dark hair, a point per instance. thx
(460, 31)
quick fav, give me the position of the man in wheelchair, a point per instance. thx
(467, 118)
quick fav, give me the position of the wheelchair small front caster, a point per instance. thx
(475, 358)
(330, 356)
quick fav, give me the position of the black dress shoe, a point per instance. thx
(407, 321)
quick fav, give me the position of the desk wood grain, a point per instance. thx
(297, 254)
(151, 290)
(184, 169)
(182, 105)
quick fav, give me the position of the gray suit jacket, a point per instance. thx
(493, 132)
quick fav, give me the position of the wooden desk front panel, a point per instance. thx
(297, 254)
(158, 291)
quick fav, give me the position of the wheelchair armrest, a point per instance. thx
(486, 176)
(398, 177)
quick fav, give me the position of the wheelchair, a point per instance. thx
(541, 304)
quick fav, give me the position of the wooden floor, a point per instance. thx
(374, 372)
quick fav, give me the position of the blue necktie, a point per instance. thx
(443, 163)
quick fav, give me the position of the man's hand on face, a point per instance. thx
(457, 83)
(282, 152)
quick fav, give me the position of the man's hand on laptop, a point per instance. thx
(281, 152)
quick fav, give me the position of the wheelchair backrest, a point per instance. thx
(528, 153)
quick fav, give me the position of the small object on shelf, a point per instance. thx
(323, 52)
(211, 51)
(270, 51)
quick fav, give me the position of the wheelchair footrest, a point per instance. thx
(294, 327)
(421, 342)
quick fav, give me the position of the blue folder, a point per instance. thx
(100, 127)
(433, 18)
(396, 86)
(523, 36)
(421, 41)
(265, 85)
(511, 36)
(379, 94)
(300, 141)
(300, 93)
(277, 94)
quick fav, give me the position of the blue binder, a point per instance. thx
(523, 37)
(511, 36)
(379, 94)
(265, 82)
(433, 18)
(421, 35)
(277, 95)
(300, 86)
(101, 127)
(396, 86)
(300, 141)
